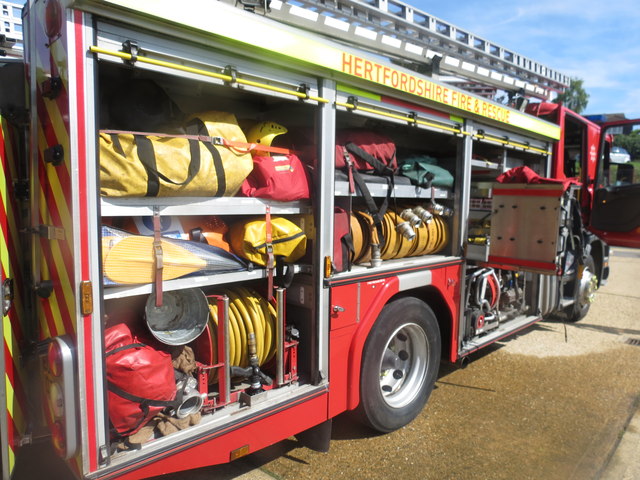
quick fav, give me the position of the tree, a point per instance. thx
(575, 97)
(631, 143)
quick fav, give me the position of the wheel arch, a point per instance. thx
(433, 297)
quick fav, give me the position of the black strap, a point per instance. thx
(125, 347)
(147, 156)
(379, 167)
(117, 146)
(376, 213)
(347, 242)
(147, 402)
(197, 127)
(219, 168)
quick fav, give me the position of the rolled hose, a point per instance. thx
(249, 312)
(429, 238)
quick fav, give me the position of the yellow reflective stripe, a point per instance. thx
(511, 143)
(435, 125)
(206, 73)
(404, 118)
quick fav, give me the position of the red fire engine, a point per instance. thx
(223, 227)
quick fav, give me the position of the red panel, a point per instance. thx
(520, 192)
(83, 230)
(344, 306)
(511, 262)
(373, 297)
(339, 344)
(270, 429)
(452, 297)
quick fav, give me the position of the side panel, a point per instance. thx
(60, 199)
(12, 394)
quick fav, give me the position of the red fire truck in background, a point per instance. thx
(222, 227)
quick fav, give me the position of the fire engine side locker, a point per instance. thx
(311, 400)
(504, 249)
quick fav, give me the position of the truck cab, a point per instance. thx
(610, 191)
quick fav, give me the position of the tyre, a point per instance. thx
(400, 363)
(588, 284)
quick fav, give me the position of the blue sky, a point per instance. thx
(595, 40)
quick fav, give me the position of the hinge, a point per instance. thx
(50, 232)
(54, 155)
(51, 87)
(21, 189)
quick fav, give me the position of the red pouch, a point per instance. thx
(377, 145)
(140, 380)
(279, 177)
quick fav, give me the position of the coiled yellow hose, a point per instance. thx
(249, 312)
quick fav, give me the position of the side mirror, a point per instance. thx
(624, 175)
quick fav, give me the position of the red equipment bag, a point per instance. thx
(378, 146)
(279, 177)
(140, 380)
(342, 242)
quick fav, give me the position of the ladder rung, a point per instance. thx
(403, 32)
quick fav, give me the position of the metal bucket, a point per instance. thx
(180, 319)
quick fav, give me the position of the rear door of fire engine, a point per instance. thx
(12, 394)
(616, 204)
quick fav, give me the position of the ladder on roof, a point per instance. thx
(7, 47)
(420, 41)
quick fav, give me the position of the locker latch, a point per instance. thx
(7, 295)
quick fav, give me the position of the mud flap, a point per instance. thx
(317, 438)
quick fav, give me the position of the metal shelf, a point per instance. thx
(400, 191)
(485, 164)
(122, 291)
(143, 206)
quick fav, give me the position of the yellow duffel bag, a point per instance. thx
(135, 164)
(249, 240)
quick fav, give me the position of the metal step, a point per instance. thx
(418, 40)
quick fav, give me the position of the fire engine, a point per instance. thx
(225, 223)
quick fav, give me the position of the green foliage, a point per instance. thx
(575, 97)
(631, 143)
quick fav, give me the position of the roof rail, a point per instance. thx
(418, 40)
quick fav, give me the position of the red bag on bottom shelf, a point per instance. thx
(140, 380)
(281, 177)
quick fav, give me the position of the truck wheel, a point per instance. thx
(400, 363)
(586, 292)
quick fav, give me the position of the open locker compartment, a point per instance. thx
(253, 355)
(514, 238)
(418, 223)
